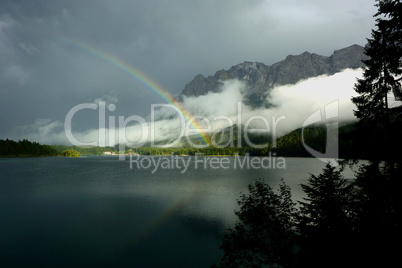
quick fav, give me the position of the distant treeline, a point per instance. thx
(9, 148)
(354, 140)
(85, 150)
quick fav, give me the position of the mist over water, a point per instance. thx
(295, 102)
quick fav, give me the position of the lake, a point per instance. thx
(98, 211)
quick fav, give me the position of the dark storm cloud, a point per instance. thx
(42, 76)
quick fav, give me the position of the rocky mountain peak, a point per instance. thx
(260, 78)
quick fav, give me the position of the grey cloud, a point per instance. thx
(43, 76)
(28, 48)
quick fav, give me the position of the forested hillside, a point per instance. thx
(25, 148)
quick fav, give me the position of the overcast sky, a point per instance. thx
(43, 74)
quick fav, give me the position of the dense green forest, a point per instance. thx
(70, 153)
(84, 150)
(22, 148)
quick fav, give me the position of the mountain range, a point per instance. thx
(260, 78)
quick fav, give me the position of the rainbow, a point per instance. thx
(144, 80)
(160, 219)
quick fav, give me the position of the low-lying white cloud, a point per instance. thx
(293, 104)
(221, 103)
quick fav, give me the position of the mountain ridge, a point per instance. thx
(260, 78)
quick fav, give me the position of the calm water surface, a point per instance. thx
(97, 211)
